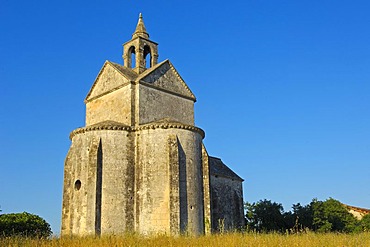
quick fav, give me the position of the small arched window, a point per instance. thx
(132, 57)
(147, 57)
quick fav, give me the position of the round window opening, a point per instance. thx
(77, 185)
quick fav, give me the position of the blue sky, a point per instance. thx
(282, 88)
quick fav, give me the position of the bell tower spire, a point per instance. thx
(140, 53)
(140, 29)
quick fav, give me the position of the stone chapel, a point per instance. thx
(139, 163)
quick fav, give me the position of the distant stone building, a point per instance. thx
(139, 164)
(359, 213)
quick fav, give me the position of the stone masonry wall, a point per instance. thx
(148, 181)
(154, 182)
(227, 203)
(117, 208)
(79, 192)
(114, 106)
(155, 104)
(104, 201)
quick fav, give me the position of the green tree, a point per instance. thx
(321, 216)
(265, 216)
(303, 216)
(24, 224)
(364, 224)
(299, 218)
(331, 215)
(289, 220)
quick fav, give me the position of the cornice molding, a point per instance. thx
(164, 125)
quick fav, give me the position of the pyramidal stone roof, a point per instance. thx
(140, 30)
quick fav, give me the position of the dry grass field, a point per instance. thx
(227, 240)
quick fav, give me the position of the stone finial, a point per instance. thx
(140, 29)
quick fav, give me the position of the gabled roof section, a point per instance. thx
(111, 76)
(218, 168)
(165, 76)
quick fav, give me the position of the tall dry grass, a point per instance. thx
(226, 240)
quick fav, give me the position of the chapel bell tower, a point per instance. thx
(140, 53)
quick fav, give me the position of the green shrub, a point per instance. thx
(24, 225)
(365, 223)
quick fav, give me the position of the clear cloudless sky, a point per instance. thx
(282, 90)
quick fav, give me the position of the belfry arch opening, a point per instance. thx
(132, 57)
(147, 57)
